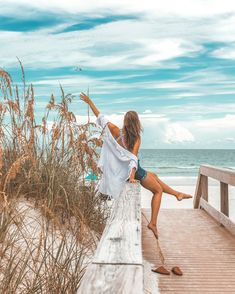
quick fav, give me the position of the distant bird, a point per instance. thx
(78, 68)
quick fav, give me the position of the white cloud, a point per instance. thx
(162, 33)
(183, 8)
(218, 124)
(230, 140)
(147, 111)
(164, 49)
(200, 109)
(176, 133)
(161, 132)
(226, 52)
(84, 48)
(200, 83)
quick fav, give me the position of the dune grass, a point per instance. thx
(50, 217)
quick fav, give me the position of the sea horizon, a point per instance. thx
(184, 162)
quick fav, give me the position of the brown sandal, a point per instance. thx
(161, 270)
(177, 271)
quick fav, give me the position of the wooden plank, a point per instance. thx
(121, 240)
(218, 216)
(221, 174)
(204, 187)
(110, 279)
(200, 246)
(224, 203)
(198, 192)
(117, 264)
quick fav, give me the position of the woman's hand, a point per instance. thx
(132, 180)
(132, 176)
(85, 98)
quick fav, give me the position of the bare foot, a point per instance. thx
(181, 196)
(153, 229)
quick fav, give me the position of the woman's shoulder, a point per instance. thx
(114, 129)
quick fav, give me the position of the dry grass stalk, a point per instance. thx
(46, 165)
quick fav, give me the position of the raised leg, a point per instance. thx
(167, 189)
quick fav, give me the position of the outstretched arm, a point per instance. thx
(113, 128)
(87, 99)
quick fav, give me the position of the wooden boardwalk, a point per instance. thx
(193, 240)
(201, 241)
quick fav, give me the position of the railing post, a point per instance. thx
(225, 177)
(198, 192)
(204, 187)
(224, 204)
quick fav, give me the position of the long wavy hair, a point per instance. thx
(132, 128)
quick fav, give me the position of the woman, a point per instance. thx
(129, 138)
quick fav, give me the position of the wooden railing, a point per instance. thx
(225, 177)
(117, 266)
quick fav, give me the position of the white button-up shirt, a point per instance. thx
(115, 162)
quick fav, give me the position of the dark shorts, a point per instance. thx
(140, 173)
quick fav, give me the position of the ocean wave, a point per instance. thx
(173, 167)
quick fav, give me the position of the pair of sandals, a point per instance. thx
(162, 270)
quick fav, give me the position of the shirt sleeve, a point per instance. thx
(133, 163)
(101, 121)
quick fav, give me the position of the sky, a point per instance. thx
(171, 61)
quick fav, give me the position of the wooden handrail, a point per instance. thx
(117, 266)
(225, 177)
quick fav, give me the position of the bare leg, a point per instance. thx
(150, 183)
(155, 206)
(167, 189)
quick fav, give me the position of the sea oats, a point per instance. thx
(45, 165)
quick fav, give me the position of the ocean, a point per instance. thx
(179, 169)
(184, 162)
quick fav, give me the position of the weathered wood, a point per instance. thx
(218, 216)
(121, 239)
(224, 204)
(110, 279)
(198, 192)
(221, 174)
(200, 246)
(225, 176)
(204, 187)
(117, 264)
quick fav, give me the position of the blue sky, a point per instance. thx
(171, 61)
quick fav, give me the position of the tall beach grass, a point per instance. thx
(50, 217)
